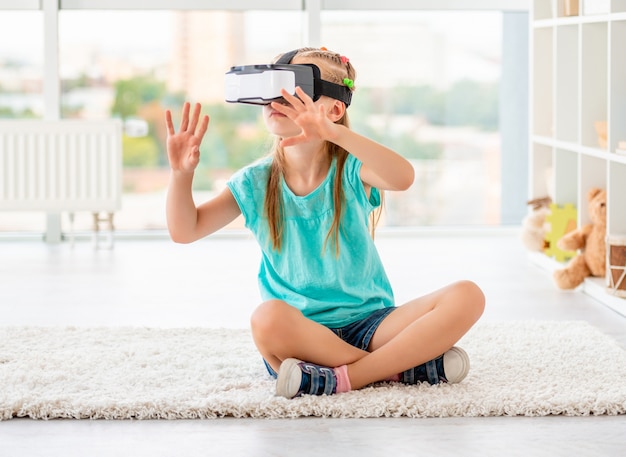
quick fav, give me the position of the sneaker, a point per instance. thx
(296, 378)
(451, 367)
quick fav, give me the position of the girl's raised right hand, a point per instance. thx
(183, 148)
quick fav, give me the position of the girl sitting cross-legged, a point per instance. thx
(328, 322)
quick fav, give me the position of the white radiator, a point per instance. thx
(60, 166)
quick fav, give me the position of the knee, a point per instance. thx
(473, 296)
(268, 318)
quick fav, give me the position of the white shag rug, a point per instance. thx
(517, 368)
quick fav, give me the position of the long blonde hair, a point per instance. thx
(333, 68)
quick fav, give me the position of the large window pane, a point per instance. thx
(427, 86)
(21, 88)
(21, 64)
(135, 64)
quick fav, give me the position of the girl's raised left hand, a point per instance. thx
(183, 147)
(312, 119)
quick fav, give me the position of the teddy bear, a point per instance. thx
(534, 226)
(590, 240)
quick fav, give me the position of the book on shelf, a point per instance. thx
(621, 148)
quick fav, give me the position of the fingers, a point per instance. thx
(204, 125)
(299, 101)
(289, 97)
(168, 122)
(187, 124)
(304, 97)
(184, 122)
(194, 117)
(283, 109)
(290, 141)
(297, 104)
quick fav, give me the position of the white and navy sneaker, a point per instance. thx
(296, 378)
(450, 367)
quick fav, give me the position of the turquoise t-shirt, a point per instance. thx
(333, 291)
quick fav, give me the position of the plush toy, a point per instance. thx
(590, 239)
(534, 227)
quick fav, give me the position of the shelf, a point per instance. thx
(574, 147)
(541, 163)
(594, 18)
(566, 176)
(616, 219)
(578, 115)
(573, 20)
(594, 287)
(553, 12)
(583, 150)
(566, 83)
(617, 113)
(594, 152)
(544, 16)
(618, 158)
(542, 84)
(544, 262)
(554, 22)
(594, 81)
(545, 140)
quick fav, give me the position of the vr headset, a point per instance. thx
(261, 84)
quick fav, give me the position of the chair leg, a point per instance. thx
(103, 240)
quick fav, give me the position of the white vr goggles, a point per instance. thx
(261, 84)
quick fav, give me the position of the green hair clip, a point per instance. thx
(348, 82)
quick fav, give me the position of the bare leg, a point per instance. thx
(415, 333)
(281, 331)
(419, 331)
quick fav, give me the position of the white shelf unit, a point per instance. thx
(578, 78)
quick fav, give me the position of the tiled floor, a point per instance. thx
(213, 283)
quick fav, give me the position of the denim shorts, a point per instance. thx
(358, 334)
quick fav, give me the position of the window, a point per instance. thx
(21, 64)
(428, 85)
(21, 81)
(108, 70)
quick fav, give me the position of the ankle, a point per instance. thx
(343, 380)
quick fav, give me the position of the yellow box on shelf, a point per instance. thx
(561, 220)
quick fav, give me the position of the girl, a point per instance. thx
(328, 323)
